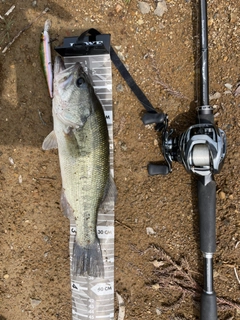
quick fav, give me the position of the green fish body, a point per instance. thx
(81, 136)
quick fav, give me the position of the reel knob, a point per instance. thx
(154, 169)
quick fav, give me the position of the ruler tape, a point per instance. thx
(93, 298)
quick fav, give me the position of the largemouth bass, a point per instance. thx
(81, 136)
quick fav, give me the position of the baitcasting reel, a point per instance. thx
(201, 149)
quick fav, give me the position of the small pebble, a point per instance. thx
(158, 264)
(118, 8)
(228, 86)
(222, 195)
(118, 48)
(144, 7)
(158, 311)
(161, 8)
(34, 3)
(121, 56)
(150, 231)
(156, 286)
(123, 145)
(11, 161)
(227, 92)
(46, 238)
(35, 302)
(215, 274)
(140, 22)
(6, 276)
(215, 96)
(120, 88)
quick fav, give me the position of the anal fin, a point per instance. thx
(65, 206)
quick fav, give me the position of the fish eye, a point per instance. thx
(79, 82)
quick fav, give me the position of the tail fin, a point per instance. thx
(88, 260)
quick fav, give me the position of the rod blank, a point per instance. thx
(204, 56)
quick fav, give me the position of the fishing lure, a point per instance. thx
(45, 53)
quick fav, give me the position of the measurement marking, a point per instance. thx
(101, 68)
(81, 306)
(78, 288)
(94, 74)
(108, 87)
(108, 243)
(100, 76)
(105, 310)
(97, 61)
(107, 305)
(82, 298)
(96, 80)
(79, 314)
(80, 285)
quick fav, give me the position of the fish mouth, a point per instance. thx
(59, 67)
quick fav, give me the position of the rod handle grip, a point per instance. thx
(207, 215)
(208, 306)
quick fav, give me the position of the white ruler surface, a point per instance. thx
(93, 298)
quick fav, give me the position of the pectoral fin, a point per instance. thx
(50, 142)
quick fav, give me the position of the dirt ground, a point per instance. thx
(159, 274)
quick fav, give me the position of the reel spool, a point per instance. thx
(200, 155)
(203, 149)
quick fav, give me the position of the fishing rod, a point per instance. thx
(201, 149)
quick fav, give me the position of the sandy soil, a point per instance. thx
(34, 262)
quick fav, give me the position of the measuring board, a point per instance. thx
(93, 298)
